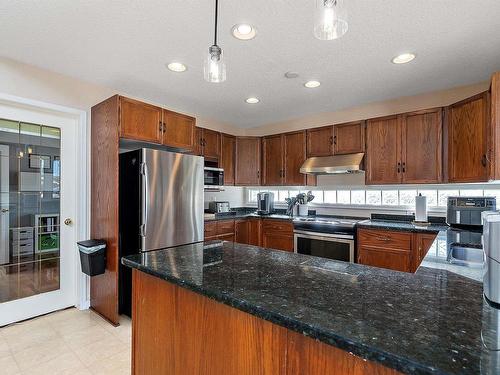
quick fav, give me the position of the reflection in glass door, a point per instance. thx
(29, 209)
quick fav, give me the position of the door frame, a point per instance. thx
(81, 146)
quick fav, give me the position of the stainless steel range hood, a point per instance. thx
(338, 164)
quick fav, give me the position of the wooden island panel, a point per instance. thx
(177, 331)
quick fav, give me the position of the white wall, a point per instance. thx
(233, 194)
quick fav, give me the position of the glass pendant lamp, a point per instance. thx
(214, 68)
(330, 19)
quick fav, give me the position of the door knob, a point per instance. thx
(68, 221)
(5, 210)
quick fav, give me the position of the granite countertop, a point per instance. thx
(404, 226)
(429, 322)
(246, 214)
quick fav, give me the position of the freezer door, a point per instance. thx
(172, 199)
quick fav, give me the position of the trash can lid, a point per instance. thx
(90, 246)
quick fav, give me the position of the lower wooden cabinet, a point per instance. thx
(277, 234)
(254, 231)
(219, 230)
(395, 250)
(242, 231)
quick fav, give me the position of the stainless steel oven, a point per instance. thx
(326, 245)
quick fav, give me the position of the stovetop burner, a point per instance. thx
(326, 224)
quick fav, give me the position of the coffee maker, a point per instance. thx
(265, 203)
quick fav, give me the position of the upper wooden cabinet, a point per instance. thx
(422, 147)
(272, 160)
(383, 142)
(208, 143)
(468, 135)
(349, 138)
(247, 168)
(295, 156)
(140, 121)
(178, 130)
(227, 157)
(282, 157)
(320, 141)
(405, 148)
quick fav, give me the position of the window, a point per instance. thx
(390, 196)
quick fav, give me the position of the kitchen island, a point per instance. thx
(220, 307)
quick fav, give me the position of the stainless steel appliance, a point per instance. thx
(466, 211)
(265, 203)
(491, 243)
(464, 238)
(218, 207)
(161, 205)
(213, 177)
(331, 238)
(337, 164)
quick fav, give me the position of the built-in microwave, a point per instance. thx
(214, 176)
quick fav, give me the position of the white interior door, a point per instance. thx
(41, 272)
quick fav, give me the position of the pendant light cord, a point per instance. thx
(216, 16)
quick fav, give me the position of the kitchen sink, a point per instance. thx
(471, 256)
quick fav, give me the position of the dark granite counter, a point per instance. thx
(430, 322)
(404, 226)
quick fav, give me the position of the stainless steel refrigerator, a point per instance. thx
(161, 205)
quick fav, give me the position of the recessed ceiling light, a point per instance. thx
(243, 31)
(403, 58)
(252, 100)
(176, 67)
(312, 84)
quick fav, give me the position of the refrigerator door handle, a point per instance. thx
(145, 200)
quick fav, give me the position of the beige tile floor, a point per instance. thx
(66, 342)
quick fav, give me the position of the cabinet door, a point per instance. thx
(241, 231)
(272, 160)
(468, 140)
(226, 237)
(349, 138)
(255, 232)
(211, 144)
(295, 156)
(178, 130)
(383, 142)
(210, 229)
(198, 141)
(228, 144)
(247, 169)
(140, 121)
(277, 234)
(423, 242)
(422, 147)
(383, 258)
(320, 141)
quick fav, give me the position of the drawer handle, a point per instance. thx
(385, 239)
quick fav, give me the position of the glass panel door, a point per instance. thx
(30, 209)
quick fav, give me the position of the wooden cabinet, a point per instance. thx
(295, 156)
(405, 148)
(277, 234)
(396, 250)
(383, 142)
(467, 133)
(385, 249)
(495, 127)
(219, 230)
(227, 157)
(272, 160)
(178, 130)
(208, 144)
(255, 231)
(320, 141)
(242, 231)
(210, 230)
(423, 242)
(140, 121)
(422, 147)
(247, 168)
(282, 157)
(198, 140)
(349, 138)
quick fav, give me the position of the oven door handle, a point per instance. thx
(325, 236)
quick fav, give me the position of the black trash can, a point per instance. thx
(92, 256)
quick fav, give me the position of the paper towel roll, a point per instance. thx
(421, 208)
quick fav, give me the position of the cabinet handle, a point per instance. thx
(484, 160)
(385, 239)
(404, 167)
(258, 174)
(331, 140)
(399, 167)
(164, 127)
(335, 140)
(161, 127)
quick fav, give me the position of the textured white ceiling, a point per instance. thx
(124, 44)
